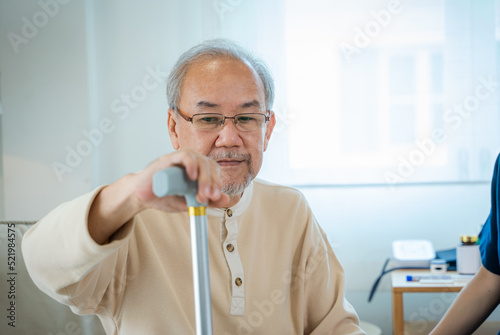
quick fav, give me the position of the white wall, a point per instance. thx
(45, 100)
(74, 75)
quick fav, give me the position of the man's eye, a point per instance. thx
(209, 119)
(246, 119)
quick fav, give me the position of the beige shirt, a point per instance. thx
(289, 280)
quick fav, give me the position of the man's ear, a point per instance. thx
(172, 131)
(269, 129)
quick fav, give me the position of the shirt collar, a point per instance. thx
(237, 209)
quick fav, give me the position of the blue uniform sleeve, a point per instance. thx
(489, 234)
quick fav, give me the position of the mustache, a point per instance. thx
(229, 154)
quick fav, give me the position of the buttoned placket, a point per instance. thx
(229, 229)
(231, 252)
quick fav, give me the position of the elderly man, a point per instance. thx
(124, 254)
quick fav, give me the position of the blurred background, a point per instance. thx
(388, 112)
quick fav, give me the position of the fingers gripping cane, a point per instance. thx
(174, 181)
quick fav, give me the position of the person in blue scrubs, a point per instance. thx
(481, 296)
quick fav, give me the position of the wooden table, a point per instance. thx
(400, 285)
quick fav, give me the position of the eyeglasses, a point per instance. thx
(214, 121)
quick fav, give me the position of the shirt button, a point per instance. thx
(238, 281)
(229, 212)
(230, 247)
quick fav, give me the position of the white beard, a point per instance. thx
(234, 188)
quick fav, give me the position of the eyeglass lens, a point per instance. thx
(244, 122)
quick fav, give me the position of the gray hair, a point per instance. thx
(214, 49)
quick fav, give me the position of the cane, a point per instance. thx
(174, 181)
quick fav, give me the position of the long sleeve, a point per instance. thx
(65, 262)
(328, 312)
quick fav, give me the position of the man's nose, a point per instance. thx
(229, 135)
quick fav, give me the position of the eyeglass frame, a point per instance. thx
(267, 116)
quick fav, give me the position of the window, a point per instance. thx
(389, 93)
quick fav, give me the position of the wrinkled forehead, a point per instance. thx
(222, 71)
(220, 65)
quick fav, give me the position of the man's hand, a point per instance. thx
(198, 167)
(119, 202)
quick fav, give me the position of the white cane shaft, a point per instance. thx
(201, 275)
